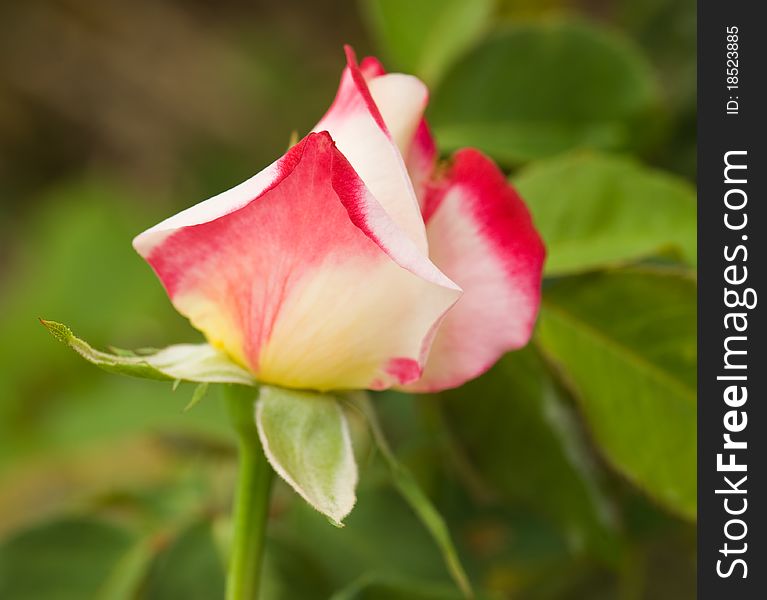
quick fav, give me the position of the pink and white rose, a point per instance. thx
(354, 261)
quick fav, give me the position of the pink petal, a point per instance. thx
(371, 67)
(301, 276)
(421, 159)
(416, 144)
(355, 123)
(481, 236)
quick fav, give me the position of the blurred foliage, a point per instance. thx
(532, 90)
(433, 34)
(566, 472)
(71, 570)
(602, 210)
(626, 342)
(561, 480)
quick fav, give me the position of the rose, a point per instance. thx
(352, 262)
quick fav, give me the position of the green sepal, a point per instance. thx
(201, 363)
(412, 493)
(305, 436)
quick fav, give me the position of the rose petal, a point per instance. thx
(308, 283)
(371, 67)
(421, 159)
(481, 236)
(217, 206)
(403, 115)
(401, 100)
(355, 123)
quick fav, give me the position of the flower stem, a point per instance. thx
(251, 502)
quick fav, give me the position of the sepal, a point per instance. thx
(305, 437)
(412, 493)
(201, 363)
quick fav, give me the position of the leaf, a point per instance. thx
(188, 569)
(183, 362)
(69, 559)
(425, 37)
(415, 497)
(598, 210)
(537, 89)
(626, 341)
(517, 432)
(306, 438)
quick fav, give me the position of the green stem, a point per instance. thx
(251, 502)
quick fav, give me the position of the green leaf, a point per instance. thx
(517, 431)
(537, 89)
(182, 362)
(416, 498)
(425, 37)
(626, 341)
(190, 568)
(598, 210)
(306, 438)
(69, 559)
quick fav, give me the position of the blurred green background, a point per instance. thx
(567, 472)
